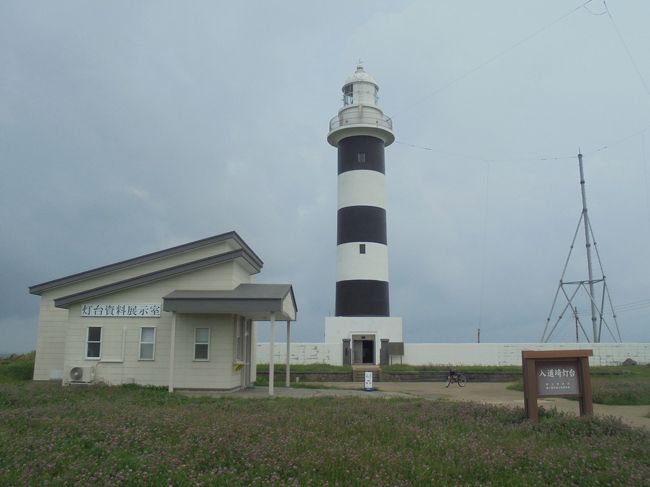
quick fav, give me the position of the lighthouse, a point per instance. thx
(360, 132)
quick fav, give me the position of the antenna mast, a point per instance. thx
(571, 289)
(585, 220)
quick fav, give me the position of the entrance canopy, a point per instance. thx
(259, 302)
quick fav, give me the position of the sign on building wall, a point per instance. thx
(121, 310)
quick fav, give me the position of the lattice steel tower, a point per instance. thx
(598, 299)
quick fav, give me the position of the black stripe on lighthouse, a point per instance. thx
(362, 298)
(371, 147)
(361, 224)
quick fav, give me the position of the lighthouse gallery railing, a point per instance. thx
(360, 119)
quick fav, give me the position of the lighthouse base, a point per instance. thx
(365, 339)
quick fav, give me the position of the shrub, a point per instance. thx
(17, 368)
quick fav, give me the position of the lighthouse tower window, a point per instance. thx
(361, 157)
(347, 94)
(362, 248)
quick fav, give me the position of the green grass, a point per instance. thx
(144, 436)
(324, 368)
(468, 369)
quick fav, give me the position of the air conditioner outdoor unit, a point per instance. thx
(81, 374)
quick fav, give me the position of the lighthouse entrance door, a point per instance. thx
(363, 349)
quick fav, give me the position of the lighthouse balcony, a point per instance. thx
(348, 124)
(356, 118)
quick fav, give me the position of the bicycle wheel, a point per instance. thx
(461, 380)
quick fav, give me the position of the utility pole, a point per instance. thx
(575, 313)
(478, 336)
(585, 221)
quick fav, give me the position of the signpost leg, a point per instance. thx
(530, 391)
(586, 403)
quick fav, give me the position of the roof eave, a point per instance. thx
(66, 301)
(38, 289)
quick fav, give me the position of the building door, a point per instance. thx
(357, 352)
(368, 351)
(363, 349)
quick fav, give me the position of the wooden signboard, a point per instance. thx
(556, 373)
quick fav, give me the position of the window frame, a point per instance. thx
(240, 330)
(153, 343)
(348, 95)
(207, 359)
(88, 342)
(362, 248)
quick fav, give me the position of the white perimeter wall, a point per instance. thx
(302, 353)
(459, 353)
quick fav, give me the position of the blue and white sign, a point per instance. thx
(121, 310)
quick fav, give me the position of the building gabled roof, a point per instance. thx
(250, 256)
(66, 301)
(256, 301)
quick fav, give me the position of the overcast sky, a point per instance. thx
(129, 127)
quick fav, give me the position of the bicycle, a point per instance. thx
(456, 378)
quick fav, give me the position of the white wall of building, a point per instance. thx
(52, 328)
(302, 353)
(376, 328)
(339, 327)
(461, 353)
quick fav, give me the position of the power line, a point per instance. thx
(495, 57)
(520, 159)
(627, 50)
(633, 306)
(483, 159)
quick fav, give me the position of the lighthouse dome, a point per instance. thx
(360, 76)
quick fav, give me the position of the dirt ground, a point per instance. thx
(497, 393)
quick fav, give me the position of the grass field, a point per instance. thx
(144, 436)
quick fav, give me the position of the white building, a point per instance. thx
(183, 317)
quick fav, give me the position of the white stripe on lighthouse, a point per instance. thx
(361, 188)
(352, 265)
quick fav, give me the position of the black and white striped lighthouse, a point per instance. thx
(360, 132)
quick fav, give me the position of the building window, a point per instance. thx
(94, 342)
(361, 157)
(147, 343)
(239, 339)
(201, 343)
(362, 248)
